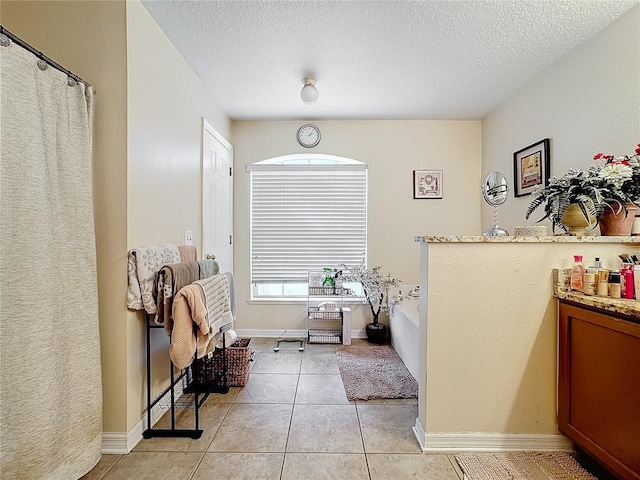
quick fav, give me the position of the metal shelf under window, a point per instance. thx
(324, 335)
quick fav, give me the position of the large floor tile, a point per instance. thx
(155, 466)
(325, 429)
(410, 466)
(260, 343)
(280, 362)
(211, 416)
(228, 397)
(324, 466)
(387, 428)
(240, 466)
(269, 388)
(103, 466)
(253, 428)
(320, 362)
(321, 390)
(315, 348)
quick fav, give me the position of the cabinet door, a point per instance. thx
(599, 387)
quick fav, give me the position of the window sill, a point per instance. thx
(297, 301)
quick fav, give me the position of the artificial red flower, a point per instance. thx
(598, 156)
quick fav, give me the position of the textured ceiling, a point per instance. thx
(454, 59)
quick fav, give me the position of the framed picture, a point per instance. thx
(427, 184)
(530, 168)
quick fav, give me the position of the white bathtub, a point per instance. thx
(403, 322)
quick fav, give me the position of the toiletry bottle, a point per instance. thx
(594, 271)
(589, 283)
(629, 289)
(614, 284)
(577, 274)
(636, 280)
(597, 263)
(603, 282)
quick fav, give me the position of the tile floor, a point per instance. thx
(292, 421)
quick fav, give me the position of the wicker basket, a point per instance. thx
(209, 368)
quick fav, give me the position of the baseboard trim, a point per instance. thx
(115, 443)
(488, 442)
(279, 333)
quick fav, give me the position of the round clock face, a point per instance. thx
(309, 136)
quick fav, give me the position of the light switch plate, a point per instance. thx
(188, 237)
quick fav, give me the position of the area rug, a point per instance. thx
(521, 465)
(374, 371)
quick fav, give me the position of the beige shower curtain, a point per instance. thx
(50, 389)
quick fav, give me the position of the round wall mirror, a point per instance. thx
(495, 191)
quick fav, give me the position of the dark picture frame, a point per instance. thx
(531, 167)
(427, 184)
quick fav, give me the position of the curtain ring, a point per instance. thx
(4, 40)
(71, 82)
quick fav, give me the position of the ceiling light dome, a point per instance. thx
(309, 93)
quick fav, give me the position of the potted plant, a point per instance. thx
(609, 187)
(375, 287)
(622, 174)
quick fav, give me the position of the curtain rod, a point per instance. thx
(40, 55)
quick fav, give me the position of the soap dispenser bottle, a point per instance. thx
(629, 290)
(577, 274)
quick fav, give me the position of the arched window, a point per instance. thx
(307, 212)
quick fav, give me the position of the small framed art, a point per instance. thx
(531, 168)
(427, 184)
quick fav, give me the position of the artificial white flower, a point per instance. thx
(616, 173)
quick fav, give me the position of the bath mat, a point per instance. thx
(521, 465)
(374, 371)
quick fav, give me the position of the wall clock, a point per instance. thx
(308, 135)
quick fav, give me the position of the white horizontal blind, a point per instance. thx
(306, 219)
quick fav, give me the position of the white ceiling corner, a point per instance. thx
(429, 59)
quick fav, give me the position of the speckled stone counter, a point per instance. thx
(526, 239)
(562, 291)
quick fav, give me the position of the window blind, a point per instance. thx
(306, 219)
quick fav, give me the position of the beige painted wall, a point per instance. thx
(89, 39)
(588, 102)
(166, 104)
(492, 341)
(392, 149)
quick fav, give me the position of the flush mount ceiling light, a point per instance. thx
(309, 93)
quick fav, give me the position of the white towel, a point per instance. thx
(230, 337)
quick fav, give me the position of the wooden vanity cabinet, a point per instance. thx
(599, 386)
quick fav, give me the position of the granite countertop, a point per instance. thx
(526, 239)
(562, 291)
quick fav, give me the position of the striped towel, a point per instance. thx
(216, 294)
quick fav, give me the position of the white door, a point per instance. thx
(217, 197)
